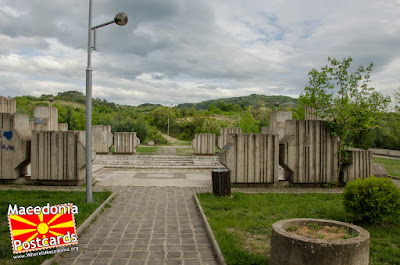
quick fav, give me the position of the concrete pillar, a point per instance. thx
(358, 165)
(15, 141)
(310, 114)
(308, 152)
(223, 135)
(125, 142)
(204, 144)
(63, 127)
(58, 156)
(102, 138)
(8, 105)
(252, 158)
(277, 122)
(45, 118)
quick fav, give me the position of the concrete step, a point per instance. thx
(158, 162)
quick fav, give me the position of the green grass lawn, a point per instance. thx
(146, 149)
(242, 224)
(41, 198)
(392, 166)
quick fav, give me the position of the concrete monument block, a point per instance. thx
(310, 114)
(308, 152)
(204, 144)
(45, 118)
(15, 143)
(8, 105)
(223, 135)
(102, 138)
(63, 127)
(125, 142)
(357, 166)
(58, 156)
(277, 122)
(251, 158)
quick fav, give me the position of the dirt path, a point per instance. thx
(172, 140)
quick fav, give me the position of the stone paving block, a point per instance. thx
(161, 228)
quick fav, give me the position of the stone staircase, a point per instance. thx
(157, 162)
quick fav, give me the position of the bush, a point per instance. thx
(373, 200)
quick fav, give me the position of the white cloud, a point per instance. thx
(175, 51)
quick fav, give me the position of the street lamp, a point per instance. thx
(120, 19)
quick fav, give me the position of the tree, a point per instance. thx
(344, 100)
(247, 123)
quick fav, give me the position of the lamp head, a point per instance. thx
(121, 19)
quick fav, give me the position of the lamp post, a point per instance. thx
(168, 131)
(120, 19)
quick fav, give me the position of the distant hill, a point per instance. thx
(284, 101)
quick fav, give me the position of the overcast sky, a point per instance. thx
(176, 51)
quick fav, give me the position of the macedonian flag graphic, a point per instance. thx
(42, 229)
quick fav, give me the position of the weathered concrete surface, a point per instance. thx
(58, 156)
(223, 135)
(308, 152)
(63, 127)
(277, 123)
(204, 144)
(8, 105)
(251, 158)
(385, 152)
(45, 118)
(125, 142)
(102, 138)
(310, 114)
(15, 143)
(378, 170)
(357, 166)
(291, 249)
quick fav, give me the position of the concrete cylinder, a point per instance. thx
(291, 249)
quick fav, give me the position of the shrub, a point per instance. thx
(373, 200)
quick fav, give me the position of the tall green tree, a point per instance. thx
(343, 98)
(248, 123)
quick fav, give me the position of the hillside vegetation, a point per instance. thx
(251, 113)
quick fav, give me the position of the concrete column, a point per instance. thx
(204, 144)
(308, 153)
(15, 140)
(125, 142)
(8, 105)
(358, 165)
(223, 135)
(58, 156)
(252, 158)
(102, 138)
(45, 118)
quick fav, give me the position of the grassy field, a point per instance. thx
(242, 224)
(40, 198)
(146, 149)
(392, 166)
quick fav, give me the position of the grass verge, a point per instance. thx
(184, 151)
(146, 149)
(392, 166)
(242, 224)
(41, 198)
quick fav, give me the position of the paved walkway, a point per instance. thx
(146, 225)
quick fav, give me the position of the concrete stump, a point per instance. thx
(221, 182)
(292, 249)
